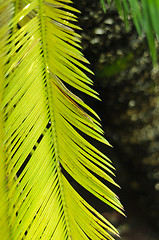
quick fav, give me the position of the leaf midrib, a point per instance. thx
(51, 115)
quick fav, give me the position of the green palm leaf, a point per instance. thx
(40, 120)
(145, 14)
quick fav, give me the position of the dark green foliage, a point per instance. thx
(145, 14)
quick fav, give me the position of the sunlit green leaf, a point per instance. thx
(44, 128)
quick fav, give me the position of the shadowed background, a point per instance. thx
(129, 89)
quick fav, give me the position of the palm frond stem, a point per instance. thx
(51, 116)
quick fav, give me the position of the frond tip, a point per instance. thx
(40, 123)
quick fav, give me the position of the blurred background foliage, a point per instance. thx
(128, 84)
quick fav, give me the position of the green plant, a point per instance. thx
(40, 125)
(145, 14)
(40, 120)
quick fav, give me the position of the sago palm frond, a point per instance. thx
(145, 14)
(40, 125)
